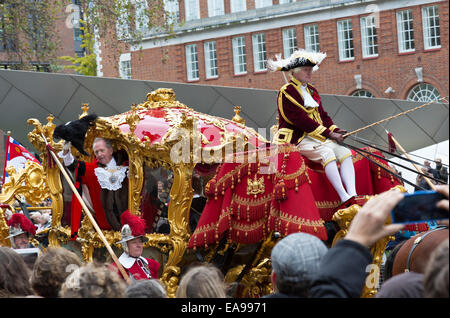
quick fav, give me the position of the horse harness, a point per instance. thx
(417, 242)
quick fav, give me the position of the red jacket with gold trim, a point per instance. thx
(295, 121)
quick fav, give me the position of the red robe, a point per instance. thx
(134, 270)
(90, 179)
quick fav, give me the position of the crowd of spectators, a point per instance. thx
(302, 266)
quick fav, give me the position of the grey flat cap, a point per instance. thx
(297, 256)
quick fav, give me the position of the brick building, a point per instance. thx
(68, 35)
(385, 49)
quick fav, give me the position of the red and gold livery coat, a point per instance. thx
(295, 121)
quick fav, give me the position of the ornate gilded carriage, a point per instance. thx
(160, 133)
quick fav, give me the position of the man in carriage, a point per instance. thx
(304, 122)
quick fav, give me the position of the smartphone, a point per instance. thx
(419, 207)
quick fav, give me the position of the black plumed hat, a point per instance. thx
(75, 131)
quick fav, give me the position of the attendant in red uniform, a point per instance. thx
(133, 237)
(304, 122)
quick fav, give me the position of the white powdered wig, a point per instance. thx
(279, 63)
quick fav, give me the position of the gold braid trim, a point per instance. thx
(250, 202)
(283, 216)
(245, 227)
(327, 204)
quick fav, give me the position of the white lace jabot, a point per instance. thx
(111, 176)
(307, 98)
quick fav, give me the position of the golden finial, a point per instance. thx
(85, 109)
(50, 118)
(237, 118)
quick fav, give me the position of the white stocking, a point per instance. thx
(348, 175)
(334, 177)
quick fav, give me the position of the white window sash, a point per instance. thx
(263, 3)
(368, 49)
(259, 52)
(211, 59)
(192, 62)
(192, 10)
(289, 41)
(239, 56)
(215, 8)
(312, 38)
(344, 41)
(402, 32)
(125, 66)
(142, 20)
(172, 11)
(238, 5)
(427, 36)
(286, 1)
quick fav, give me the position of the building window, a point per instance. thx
(239, 56)
(125, 66)
(215, 7)
(122, 26)
(405, 31)
(312, 38)
(345, 40)
(238, 5)
(192, 10)
(289, 41)
(431, 29)
(142, 19)
(211, 59)
(172, 11)
(363, 93)
(259, 52)
(424, 93)
(286, 1)
(262, 3)
(369, 38)
(192, 62)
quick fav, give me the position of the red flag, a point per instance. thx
(392, 146)
(16, 155)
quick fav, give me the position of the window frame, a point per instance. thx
(237, 55)
(189, 9)
(211, 63)
(263, 3)
(288, 48)
(125, 57)
(401, 32)
(342, 41)
(213, 8)
(309, 46)
(365, 45)
(425, 27)
(190, 62)
(234, 7)
(256, 60)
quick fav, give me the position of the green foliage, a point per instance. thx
(38, 39)
(87, 64)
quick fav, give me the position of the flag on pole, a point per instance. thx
(16, 155)
(392, 146)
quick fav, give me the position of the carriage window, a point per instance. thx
(155, 199)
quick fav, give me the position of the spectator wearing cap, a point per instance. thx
(295, 261)
(21, 230)
(133, 237)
